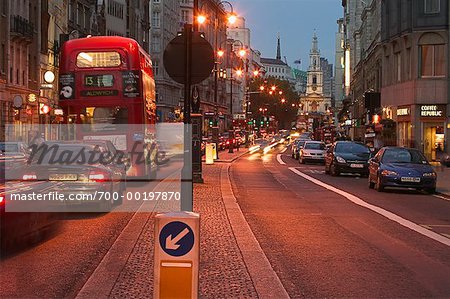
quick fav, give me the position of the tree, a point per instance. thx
(283, 111)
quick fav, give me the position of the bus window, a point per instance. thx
(98, 59)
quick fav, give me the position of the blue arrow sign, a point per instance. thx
(176, 238)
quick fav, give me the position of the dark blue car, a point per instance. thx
(401, 167)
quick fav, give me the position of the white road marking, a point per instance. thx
(284, 150)
(442, 197)
(280, 160)
(358, 201)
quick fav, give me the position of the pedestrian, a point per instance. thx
(37, 139)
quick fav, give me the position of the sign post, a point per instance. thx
(177, 244)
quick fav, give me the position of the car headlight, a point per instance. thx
(388, 173)
(340, 159)
(429, 174)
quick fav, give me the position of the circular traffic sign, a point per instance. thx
(202, 58)
(176, 238)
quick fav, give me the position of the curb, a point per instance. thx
(229, 161)
(265, 280)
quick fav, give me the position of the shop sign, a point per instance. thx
(403, 111)
(432, 110)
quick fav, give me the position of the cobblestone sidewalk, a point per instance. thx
(223, 273)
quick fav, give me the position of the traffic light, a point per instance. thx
(211, 122)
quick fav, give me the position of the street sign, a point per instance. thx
(176, 238)
(202, 58)
(176, 255)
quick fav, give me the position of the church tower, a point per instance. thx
(315, 74)
(278, 47)
(314, 101)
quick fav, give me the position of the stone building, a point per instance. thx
(415, 77)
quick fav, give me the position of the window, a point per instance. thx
(398, 66)
(80, 14)
(408, 64)
(2, 59)
(432, 60)
(4, 8)
(184, 16)
(156, 1)
(156, 44)
(98, 59)
(432, 6)
(156, 19)
(156, 67)
(314, 80)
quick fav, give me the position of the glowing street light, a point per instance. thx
(232, 18)
(255, 73)
(242, 52)
(261, 87)
(239, 72)
(201, 19)
(220, 53)
(273, 88)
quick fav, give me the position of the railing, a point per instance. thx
(21, 26)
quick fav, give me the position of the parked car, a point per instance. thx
(312, 151)
(401, 167)
(297, 145)
(79, 169)
(347, 157)
(13, 148)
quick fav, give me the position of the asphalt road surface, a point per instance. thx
(349, 241)
(59, 264)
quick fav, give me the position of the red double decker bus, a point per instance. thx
(107, 92)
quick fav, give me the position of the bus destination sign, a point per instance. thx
(99, 93)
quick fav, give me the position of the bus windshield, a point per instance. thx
(98, 59)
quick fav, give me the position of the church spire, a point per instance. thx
(315, 43)
(278, 47)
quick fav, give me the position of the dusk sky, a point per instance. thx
(295, 20)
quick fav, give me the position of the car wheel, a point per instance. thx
(379, 185)
(333, 170)
(430, 190)
(293, 156)
(371, 184)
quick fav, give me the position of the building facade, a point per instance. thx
(339, 65)
(415, 79)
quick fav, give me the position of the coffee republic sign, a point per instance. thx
(432, 110)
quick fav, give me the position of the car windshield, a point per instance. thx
(351, 147)
(9, 147)
(67, 155)
(403, 156)
(315, 146)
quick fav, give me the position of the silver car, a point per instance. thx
(312, 151)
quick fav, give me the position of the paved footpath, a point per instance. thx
(443, 182)
(232, 265)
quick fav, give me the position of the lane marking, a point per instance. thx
(280, 160)
(441, 197)
(389, 215)
(284, 150)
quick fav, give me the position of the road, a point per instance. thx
(58, 265)
(340, 242)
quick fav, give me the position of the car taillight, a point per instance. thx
(2, 200)
(29, 177)
(98, 176)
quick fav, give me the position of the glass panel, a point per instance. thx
(98, 59)
(439, 60)
(426, 61)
